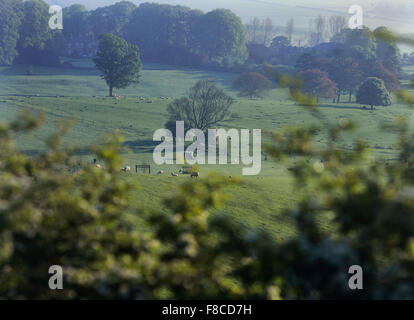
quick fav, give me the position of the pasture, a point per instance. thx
(79, 94)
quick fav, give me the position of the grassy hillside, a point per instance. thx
(258, 202)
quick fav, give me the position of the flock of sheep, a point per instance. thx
(147, 100)
(181, 171)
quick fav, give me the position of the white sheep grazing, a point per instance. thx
(98, 166)
(160, 172)
(127, 169)
(174, 174)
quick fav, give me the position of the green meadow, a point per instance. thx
(79, 94)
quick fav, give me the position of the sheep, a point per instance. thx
(195, 175)
(126, 169)
(160, 172)
(174, 174)
(98, 166)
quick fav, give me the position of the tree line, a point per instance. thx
(331, 69)
(164, 33)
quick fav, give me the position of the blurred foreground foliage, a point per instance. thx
(83, 222)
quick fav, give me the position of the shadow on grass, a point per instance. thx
(141, 146)
(339, 106)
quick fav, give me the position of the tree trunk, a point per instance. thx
(372, 107)
(338, 98)
(110, 91)
(350, 97)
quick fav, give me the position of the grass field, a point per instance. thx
(258, 202)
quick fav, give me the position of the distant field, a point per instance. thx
(84, 81)
(259, 202)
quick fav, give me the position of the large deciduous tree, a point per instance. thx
(252, 84)
(374, 93)
(221, 37)
(387, 50)
(205, 107)
(118, 61)
(317, 83)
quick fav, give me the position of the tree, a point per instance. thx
(37, 41)
(252, 84)
(164, 33)
(220, 35)
(378, 70)
(317, 30)
(111, 19)
(387, 51)
(336, 24)
(75, 20)
(317, 83)
(346, 72)
(10, 21)
(290, 28)
(252, 30)
(305, 61)
(268, 31)
(118, 61)
(205, 107)
(373, 93)
(280, 42)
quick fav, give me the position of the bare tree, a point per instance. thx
(336, 24)
(320, 26)
(317, 30)
(290, 27)
(268, 31)
(204, 108)
(253, 30)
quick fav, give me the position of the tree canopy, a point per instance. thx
(317, 83)
(374, 93)
(221, 37)
(252, 84)
(118, 61)
(10, 21)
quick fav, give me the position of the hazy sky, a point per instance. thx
(395, 14)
